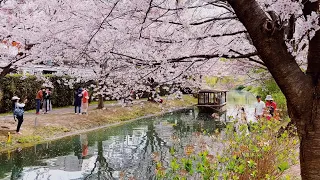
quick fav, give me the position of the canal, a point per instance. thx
(126, 151)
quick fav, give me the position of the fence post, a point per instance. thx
(35, 121)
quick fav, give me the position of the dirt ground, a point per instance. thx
(63, 122)
(293, 172)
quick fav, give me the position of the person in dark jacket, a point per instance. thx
(47, 106)
(77, 101)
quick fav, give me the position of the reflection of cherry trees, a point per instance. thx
(101, 170)
(127, 151)
(18, 167)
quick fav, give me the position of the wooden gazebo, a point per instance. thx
(211, 100)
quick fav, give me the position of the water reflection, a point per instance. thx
(126, 151)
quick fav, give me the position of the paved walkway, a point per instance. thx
(68, 110)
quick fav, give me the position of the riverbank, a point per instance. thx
(42, 128)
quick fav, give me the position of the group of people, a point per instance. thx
(267, 110)
(81, 101)
(43, 98)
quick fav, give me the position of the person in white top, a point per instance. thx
(259, 107)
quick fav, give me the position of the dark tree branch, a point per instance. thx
(249, 58)
(216, 3)
(100, 27)
(199, 22)
(6, 70)
(219, 3)
(210, 56)
(10, 67)
(177, 9)
(145, 17)
(160, 40)
(191, 58)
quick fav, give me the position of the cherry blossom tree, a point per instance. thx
(280, 35)
(127, 42)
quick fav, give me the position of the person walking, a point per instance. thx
(259, 106)
(18, 111)
(47, 101)
(271, 106)
(77, 100)
(85, 101)
(39, 99)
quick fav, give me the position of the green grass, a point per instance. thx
(30, 139)
(105, 102)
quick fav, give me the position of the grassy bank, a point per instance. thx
(37, 129)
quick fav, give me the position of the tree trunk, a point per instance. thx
(310, 141)
(310, 150)
(100, 102)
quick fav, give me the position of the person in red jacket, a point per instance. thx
(85, 101)
(39, 98)
(271, 106)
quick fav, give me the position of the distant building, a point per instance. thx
(55, 70)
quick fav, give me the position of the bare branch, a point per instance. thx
(145, 17)
(191, 58)
(249, 58)
(160, 40)
(210, 56)
(197, 23)
(100, 26)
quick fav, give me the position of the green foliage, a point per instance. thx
(240, 87)
(30, 139)
(258, 154)
(283, 166)
(62, 95)
(258, 71)
(226, 82)
(51, 130)
(223, 59)
(174, 165)
(15, 85)
(27, 88)
(211, 81)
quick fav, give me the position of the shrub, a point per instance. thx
(258, 154)
(240, 87)
(17, 85)
(26, 87)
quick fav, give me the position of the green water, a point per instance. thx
(123, 151)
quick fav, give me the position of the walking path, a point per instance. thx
(69, 109)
